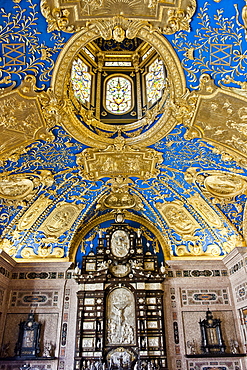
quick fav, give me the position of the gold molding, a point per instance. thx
(22, 119)
(60, 219)
(168, 17)
(176, 89)
(119, 160)
(218, 115)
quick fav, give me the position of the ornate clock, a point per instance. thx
(28, 339)
(212, 341)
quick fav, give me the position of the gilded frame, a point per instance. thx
(167, 121)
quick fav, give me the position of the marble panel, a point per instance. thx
(192, 327)
(49, 324)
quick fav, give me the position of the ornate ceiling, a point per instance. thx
(179, 173)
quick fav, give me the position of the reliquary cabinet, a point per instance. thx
(120, 305)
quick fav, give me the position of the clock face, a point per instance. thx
(120, 243)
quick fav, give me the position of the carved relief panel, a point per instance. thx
(170, 16)
(120, 321)
(120, 243)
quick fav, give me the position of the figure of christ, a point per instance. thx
(120, 307)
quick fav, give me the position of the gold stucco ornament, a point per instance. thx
(7, 246)
(22, 119)
(218, 115)
(167, 16)
(119, 160)
(86, 121)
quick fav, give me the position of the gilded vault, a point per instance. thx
(176, 168)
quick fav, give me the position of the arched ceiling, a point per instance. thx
(179, 174)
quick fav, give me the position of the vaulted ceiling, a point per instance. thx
(178, 172)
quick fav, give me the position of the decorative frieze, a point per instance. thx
(204, 296)
(241, 292)
(39, 275)
(34, 298)
(214, 365)
(4, 271)
(196, 273)
(236, 267)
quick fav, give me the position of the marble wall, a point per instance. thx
(190, 288)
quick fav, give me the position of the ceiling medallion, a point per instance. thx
(167, 16)
(178, 218)
(86, 122)
(60, 219)
(222, 185)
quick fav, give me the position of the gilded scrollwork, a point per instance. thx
(217, 47)
(56, 18)
(195, 249)
(23, 186)
(178, 218)
(8, 247)
(118, 28)
(168, 17)
(120, 196)
(23, 51)
(61, 219)
(179, 19)
(44, 251)
(120, 161)
(22, 121)
(51, 108)
(105, 131)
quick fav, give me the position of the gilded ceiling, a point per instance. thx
(178, 171)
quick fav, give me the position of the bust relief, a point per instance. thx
(120, 243)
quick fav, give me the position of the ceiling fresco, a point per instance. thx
(178, 174)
